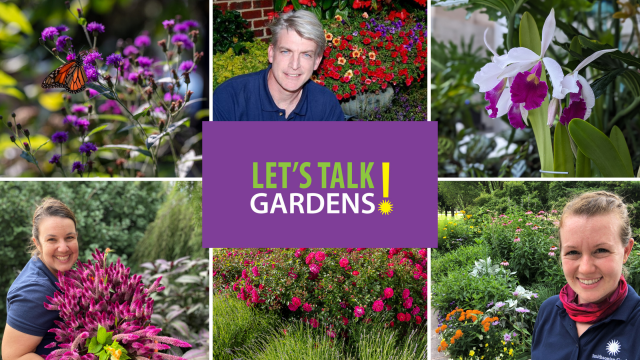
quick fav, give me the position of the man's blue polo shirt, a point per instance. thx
(615, 338)
(247, 98)
(25, 303)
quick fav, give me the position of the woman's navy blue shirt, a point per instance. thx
(25, 303)
(615, 338)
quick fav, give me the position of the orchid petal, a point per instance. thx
(524, 113)
(555, 75)
(488, 77)
(487, 43)
(528, 89)
(493, 97)
(592, 57)
(569, 84)
(552, 111)
(521, 54)
(504, 103)
(515, 117)
(587, 93)
(547, 32)
(515, 68)
(576, 110)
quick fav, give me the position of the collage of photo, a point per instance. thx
(317, 240)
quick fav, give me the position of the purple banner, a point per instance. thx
(320, 184)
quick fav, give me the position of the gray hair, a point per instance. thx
(304, 23)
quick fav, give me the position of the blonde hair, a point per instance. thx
(49, 207)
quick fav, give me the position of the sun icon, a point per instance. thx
(613, 347)
(385, 207)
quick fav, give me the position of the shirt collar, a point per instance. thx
(266, 100)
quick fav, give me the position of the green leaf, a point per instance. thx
(529, 35)
(279, 5)
(296, 5)
(127, 147)
(109, 340)
(82, 21)
(201, 114)
(326, 4)
(112, 117)
(94, 346)
(599, 86)
(583, 165)
(98, 129)
(7, 80)
(25, 155)
(152, 139)
(341, 5)
(562, 156)
(142, 113)
(10, 14)
(104, 355)
(129, 127)
(102, 334)
(317, 11)
(101, 90)
(617, 138)
(597, 147)
(43, 144)
(596, 46)
(632, 79)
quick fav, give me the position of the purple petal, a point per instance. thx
(515, 117)
(576, 110)
(492, 96)
(527, 88)
(577, 96)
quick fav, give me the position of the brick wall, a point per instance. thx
(254, 11)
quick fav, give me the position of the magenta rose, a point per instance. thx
(359, 311)
(378, 306)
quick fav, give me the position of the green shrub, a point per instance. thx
(408, 106)
(230, 31)
(227, 64)
(459, 289)
(461, 258)
(177, 228)
(457, 232)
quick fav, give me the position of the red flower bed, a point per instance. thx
(331, 288)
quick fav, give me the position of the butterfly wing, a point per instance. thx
(76, 80)
(70, 76)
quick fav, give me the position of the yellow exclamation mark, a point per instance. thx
(385, 179)
(385, 207)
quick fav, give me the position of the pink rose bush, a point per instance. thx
(336, 288)
(106, 314)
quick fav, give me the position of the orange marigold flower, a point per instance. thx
(459, 332)
(453, 340)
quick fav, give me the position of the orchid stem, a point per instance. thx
(511, 25)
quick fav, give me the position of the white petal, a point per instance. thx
(524, 113)
(487, 44)
(555, 75)
(547, 32)
(569, 84)
(587, 93)
(504, 102)
(515, 68)
(552, 111)
(521, 54)
(488, 77)
(592, 57)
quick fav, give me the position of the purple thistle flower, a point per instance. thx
(115, 59)
(71, 56)
(69, 119)
(95, 27)
(184, 39)
(55, 159)
(168, 97)
(181, 28)
(130, 50)
(87, 148)
(91, 72)
(79, 108)
(49, 33)
(79, 167)
(142, 40)
(191, 23)
(186, 65)
(62, 42)
(133, 77)
(168, 23)
(110, 106)
(60, 137)
(145, 62)
(62, 28)
(91, 58)
(82, 124)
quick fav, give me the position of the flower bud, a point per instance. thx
(554, 106)
(26, 146)
(173, 107)
(194, 35)
(175, 74)
(19, 127)
(187, 96)
(161, 125)
(170, 55)
(110, 171)
(86, 92)
(41, 41)
(119, 44)
(187, 79)
(13, 115)
(179, 45)
(197, 57)
(79, 12)
(154, 86)
(90, 165)
(64, 111)
(9, 124)
(139, 174)
(90, 108)
(27, 133)
(13, 138)
(107, 78)
(163, 45)
(67, 4)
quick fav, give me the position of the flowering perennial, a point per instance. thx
(98, 296)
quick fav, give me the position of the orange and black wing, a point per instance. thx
(70, 76)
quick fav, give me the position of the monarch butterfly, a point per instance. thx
(70, 76)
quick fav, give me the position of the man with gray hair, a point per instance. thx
(282, 92)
